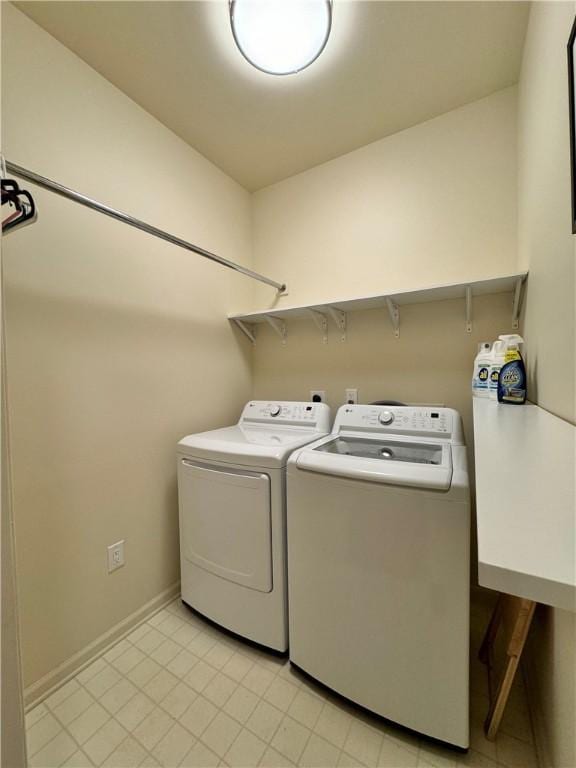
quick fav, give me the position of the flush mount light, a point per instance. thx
(281, 37)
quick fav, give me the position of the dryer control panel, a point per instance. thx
(400, 420)
(314, 416)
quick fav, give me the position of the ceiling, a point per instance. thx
(387, 66)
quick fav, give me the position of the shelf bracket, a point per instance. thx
(249, 332)
(468, 309)
(321, 322)
(339, 318)
(394, 313)
(279, 327)
(517, 304)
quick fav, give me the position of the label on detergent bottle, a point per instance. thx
(481, 372)
(482, 376)
(512, 383)
(494, 375)
(511, 354)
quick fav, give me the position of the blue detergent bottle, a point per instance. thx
(512, 376)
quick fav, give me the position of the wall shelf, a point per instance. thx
(336, 311)
(525, 499)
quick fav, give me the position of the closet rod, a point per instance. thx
(71, 194)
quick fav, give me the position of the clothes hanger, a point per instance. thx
(26, 213)
(10, 190)
(9, 186)
(21, 207)
(11, 200)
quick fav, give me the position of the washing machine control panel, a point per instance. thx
(409, 420)
(313, 415)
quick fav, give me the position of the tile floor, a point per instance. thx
(178, 692)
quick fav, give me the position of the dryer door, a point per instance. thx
(225, 525)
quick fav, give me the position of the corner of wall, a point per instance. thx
(546, 248)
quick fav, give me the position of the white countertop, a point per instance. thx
(525, 502)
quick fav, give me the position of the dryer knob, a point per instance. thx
(386, 417)
(274, 410)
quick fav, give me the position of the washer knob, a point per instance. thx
(275, 410)
(386, 417)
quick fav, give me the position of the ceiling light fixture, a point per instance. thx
(281, 37)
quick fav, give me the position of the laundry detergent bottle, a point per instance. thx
(498, 358)
(512, 376)
(481, 370)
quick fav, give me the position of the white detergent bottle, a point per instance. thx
(481, 370)
(498, 358)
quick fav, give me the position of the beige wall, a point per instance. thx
(432, 204)
(546, 248)
(117, 342)
(545, 241)
(12, 728)
(12, 739)
(12, 735)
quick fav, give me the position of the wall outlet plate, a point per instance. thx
(115, 556)
(318, 395)
(351, 396)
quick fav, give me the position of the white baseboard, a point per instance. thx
(42, 688)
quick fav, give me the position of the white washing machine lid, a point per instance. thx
(251, 445)
(388, 460)
(392, 445)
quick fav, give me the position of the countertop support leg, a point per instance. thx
(514, 615)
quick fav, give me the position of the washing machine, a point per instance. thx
(232, 502)
(379, 565)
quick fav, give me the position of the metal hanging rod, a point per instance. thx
(71, 194)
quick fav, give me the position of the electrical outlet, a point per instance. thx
(115, 556)
(318, 395)
(351, 396)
